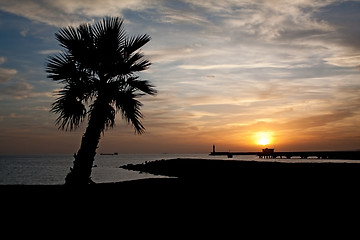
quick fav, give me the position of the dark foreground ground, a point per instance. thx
(200, 195)
(199, 178)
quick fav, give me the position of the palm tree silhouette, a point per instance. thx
(97, 67)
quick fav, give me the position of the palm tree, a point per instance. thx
(97, 68)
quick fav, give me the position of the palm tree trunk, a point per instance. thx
(80, 173)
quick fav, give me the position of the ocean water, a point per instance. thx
(52, 169)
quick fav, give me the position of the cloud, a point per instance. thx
(69, 12)
(6, 73)
(269, 19)
(180, 16)
(17, 90)
(317, 120)
(263, 17)
(48, 52)
(231, 66)
(170, 54)
(344, 61)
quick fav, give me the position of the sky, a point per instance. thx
(239, 74)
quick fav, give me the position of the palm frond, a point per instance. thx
(142, 85)
(129, 106)
(62, 68)
(134, 60)
(132, 44)
(79, 43)
(109, 33)
(109, 114)
(140, 66)
(109, 38)
(68, 38)
(70, 109)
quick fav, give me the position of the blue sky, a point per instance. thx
(225, 71)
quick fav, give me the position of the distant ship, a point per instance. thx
(115, 153)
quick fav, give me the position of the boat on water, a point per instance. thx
(115, 153)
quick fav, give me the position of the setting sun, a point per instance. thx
(263, 138)
(264, 141)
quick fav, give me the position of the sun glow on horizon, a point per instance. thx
(263, 138)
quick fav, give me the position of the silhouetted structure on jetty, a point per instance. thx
(271, 153)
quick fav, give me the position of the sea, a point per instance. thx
(52, 169)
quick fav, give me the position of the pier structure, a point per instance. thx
(271, 153)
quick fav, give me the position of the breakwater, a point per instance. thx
(354, 155)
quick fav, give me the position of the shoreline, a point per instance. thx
(190, 171)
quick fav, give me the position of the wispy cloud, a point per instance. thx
(344, 61)
(49, 51)
(18, 90)
(232, 66)
(177, 16)
(6, 73)
(68, 12)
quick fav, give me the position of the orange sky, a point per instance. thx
(224, 72)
